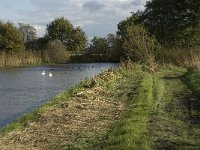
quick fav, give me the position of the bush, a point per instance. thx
(139, 45)
(55, 52)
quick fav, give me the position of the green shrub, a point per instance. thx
(55, 52)
(139, 45)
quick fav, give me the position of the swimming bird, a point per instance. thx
(50, 74)
(43, 72)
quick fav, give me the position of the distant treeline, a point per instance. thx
(166, 31)
(62, 43)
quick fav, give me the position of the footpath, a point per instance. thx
(175, 124)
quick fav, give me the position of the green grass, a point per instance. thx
(192, 79)
(131, 132)
(173, 126)
(158, 91)
(170, 71)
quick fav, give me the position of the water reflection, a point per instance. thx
(25, 88)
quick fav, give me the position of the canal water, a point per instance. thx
(23, 89)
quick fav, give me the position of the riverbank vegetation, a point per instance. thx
(150, 102)
(128, 108)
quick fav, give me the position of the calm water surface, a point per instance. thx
(24, 88)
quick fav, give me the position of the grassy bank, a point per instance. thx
(174, 125)
(92, 108)
(131, 132)
(129, 108)
(192, 79)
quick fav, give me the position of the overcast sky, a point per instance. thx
(96, 17)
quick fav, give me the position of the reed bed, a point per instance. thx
(19, 58)
(181, 57)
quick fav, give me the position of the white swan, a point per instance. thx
(50, 74)
(43, 72)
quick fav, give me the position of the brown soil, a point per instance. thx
(90, 110)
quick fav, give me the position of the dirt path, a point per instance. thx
(176, 124)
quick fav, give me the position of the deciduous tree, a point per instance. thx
(29, 32)
(171, 20)
(73, 38)
(79, 39)
(136, 42)
(11, 39)
(99, 45)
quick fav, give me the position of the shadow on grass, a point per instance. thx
(176, 125)
(166, 144)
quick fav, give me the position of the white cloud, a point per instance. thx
(49, 4)
(40, 30)
(93, 6)
(96, 17)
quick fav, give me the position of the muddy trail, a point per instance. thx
(175, 123)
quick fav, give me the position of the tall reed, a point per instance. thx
(19, 58)
(183, 57)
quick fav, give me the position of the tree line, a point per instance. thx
(164, 27)
(62, 42)
(61, 37)
(166, 30)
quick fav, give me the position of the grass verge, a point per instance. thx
(192, 80)
(129, 108)
(174, 125)
(131, 132)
